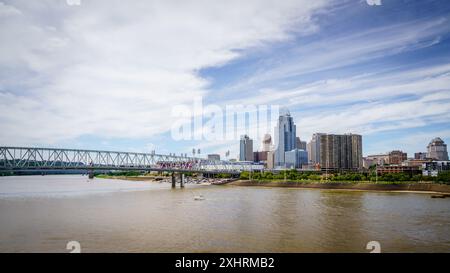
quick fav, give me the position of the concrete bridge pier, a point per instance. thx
(182, 180)
(173, 181)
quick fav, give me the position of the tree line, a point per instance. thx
(294, 175)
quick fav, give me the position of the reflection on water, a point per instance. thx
(41, 214)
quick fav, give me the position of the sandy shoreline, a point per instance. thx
(429, 188)
(130, 178)
(407, 187)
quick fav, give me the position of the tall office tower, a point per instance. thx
(340, 152)
(437, 150)
(285, 132)
(267, 143)
(356, 159)
(300, 144)
(246, 149)
(397, 157)
(313, 148)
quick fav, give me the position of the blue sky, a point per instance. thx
(104, 76)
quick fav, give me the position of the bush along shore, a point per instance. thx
(352, 181)
(152, 176)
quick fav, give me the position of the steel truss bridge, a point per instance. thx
(24, 159)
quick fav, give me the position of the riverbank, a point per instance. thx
(366, 186)
(130, 178)
(165, 179)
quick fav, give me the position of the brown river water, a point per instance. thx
(44, 213)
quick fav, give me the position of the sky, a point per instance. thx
(106, 75)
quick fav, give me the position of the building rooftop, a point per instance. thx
(436, 140)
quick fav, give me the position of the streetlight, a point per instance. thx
(376, 173)
(326, 168)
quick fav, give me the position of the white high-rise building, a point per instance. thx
(313, 148)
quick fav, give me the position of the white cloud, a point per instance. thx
(407, 99)
(112, 69)
(367, 103)
(344, 49)
(7, 11)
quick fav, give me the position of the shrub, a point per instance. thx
(443, 177)
(223, 175)
(244, 175)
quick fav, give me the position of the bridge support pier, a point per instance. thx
(181, 180)
(173, 181)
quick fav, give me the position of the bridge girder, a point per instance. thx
(28, 158)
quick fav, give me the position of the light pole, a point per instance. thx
(326, 168)
(376, 173)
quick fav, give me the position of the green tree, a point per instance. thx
(443, 177)
(244, 175)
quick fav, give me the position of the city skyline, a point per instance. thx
(66, 82)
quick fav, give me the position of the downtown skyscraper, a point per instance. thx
(340, 152)
(246, 148)
(285, 137)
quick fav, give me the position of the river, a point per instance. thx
(44, 213)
